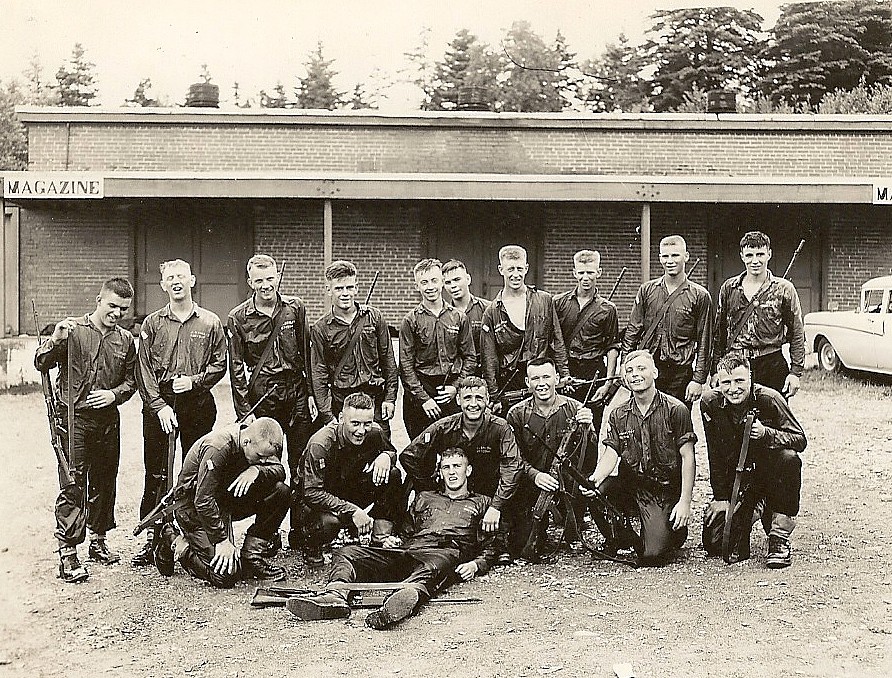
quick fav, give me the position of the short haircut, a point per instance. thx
(119, 286)
(732, 361)
(587, 257)
(512, 253)
(640, 353)
(470, 382)
(426, 265)
(340, 269)
(542, 360)
(359, 401)
(453, 264)
(268, 429)
(260, 261)
(755, 239)
(674, 240)
(173, 263)
(453, 452)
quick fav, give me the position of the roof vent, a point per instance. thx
(721, 101)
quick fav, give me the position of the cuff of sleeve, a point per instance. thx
(482, 565)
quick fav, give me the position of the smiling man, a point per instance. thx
(757, 314)
(773, 471)
(182, 355)
(99, 377)
(652, 437)
(352, 351)
(349, 478)
(457, 282)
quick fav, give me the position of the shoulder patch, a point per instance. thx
(210, 464)
(144, 335)
(322, 462)
(484, 327)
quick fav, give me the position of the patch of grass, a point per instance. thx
(851, 383)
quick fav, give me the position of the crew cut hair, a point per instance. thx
(512, 253)
(425, 265)
(587, 257)
(261, 261)
(542, 360)
(268, 429)
(640, 353)
(173, 263)
(674, 240)
(453, 452)
(359, 401)
(340, 269)
(470, 381)
(755, 239)
(732, 361)
(453, 264)
(119, 286)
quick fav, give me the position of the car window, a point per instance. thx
(873, 301)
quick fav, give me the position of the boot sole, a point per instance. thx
(310, 610)
(397, 607)
(77, 579)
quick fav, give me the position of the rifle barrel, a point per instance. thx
(368, 297)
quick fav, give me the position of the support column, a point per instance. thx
(327, 229)
(645, 242)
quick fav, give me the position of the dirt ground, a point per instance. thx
(828, 615)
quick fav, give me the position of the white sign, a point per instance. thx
(882, 193)
(52, 185)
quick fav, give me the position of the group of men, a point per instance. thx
(494, 442)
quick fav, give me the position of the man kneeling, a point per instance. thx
(442, 535)
(230, 473)
(773, 468)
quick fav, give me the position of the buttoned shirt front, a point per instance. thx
(599, 332)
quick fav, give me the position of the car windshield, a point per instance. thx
(872, 301)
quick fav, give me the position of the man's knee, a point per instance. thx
(712, 536)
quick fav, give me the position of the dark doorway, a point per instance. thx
(214, 236)
(473, 232)
(786, 225)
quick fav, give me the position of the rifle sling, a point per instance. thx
(348, 350)
(583, 318)
(747, 314)
(268, 349)
(735, 491)
(660, 315)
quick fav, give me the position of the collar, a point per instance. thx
(331, 318)
(737, 281)
(630, 406)
(252, 307)
(166, 312)
(421, 309)
(686, 284)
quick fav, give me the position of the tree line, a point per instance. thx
(825, 57)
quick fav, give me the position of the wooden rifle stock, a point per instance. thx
(727, 548)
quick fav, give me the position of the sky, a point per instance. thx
(259, 43)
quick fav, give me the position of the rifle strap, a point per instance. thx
(747, 314)
(584, 316)
(735, 491)
(660, 315)
(348, 349)
(268, 349)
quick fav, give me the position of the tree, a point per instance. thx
(618, 84)
(873, 100)
(76, 83)
(278, 99)
(316, 89)
(706, 47)
(39, 91)
(13, 138)
(569, 77)
(819, 47)
(422, 69)
(532, 77)
(468, 73)
(360, 99)
(141, 96)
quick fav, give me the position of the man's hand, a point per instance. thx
(584, 416)
(601, 394)
(585, 492)
(545, 481)
(314, 411)
(714, 510)
(445, 394)
(681, 515)
(62, 328)
(495, 406)
(240, 486)
(168, 419)
(431, 409)
(363, 522)
(491, 519)
(225, 559)
(758, 430)
(182, 384)
(99, 399)
(791, 385)
(693, 391)
(466, 570)
(387, 410)
(380, 469)
(713, 381)
(391, 541)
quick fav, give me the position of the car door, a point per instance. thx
(881, 329)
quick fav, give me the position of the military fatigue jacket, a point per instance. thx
(600, 331)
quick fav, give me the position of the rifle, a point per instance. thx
(793, 258)
(735, 491)
(359, 594)
(368, 297)
(573, 384)
(55, 420)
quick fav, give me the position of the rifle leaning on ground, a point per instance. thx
(359, 594)
(55, 419)
(727, 550)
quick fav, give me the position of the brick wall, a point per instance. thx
(500, 146)
(859, 248)
(66, 252)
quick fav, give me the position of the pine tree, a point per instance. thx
(468, 75)
(141, 96)
(316, 89)
(532, 77)
(278, 99)
(76, 82)
(617, 81)
(13, 138)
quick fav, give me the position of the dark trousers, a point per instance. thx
(426, 569)
(770, 370)
(89, 500)
(414, 416)
(651, 504)
(338, 395)
(587, 369)
(196, 413)
(321, 527)
(773, 487)
(266, 499)
(674, 379)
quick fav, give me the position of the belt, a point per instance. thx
(750, 353)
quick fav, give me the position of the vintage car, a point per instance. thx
(857, 340)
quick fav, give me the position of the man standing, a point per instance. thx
(269, 353)
(652, 437)
(182, 354)
(672, 318)
(349, 466)
(352, 351)
(757, 314)
(441, 540)
(520, 324)
(540, 423)
(229, 474)
(488, 443)
(96, 361)
(774, 469)
(457, 282)
(436, 349)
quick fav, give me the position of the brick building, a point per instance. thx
(384, 191)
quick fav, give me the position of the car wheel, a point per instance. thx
(827, 357)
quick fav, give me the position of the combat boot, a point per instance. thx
(398, 606)
(163, 553)
(274, 545)
(99, 552)
(145, 557)
(325, 605)
(254, 564)
(778, 553)
(70, 569)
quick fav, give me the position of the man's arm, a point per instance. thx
(419, 458)
(722, 455)
(636, 322)
(147, 381)
(466, 348)
(489, 351)
(720, 327)
(319, 372)
(387, 360)
(237, 373)
(407, 362)
(313, 474)
(50, 354)
(681, 513)
(510, 467)
(795, 330)
(216, 365)
(558, 348)
(209, 487)
(125, 390)
(704, 338)
(782, 430)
